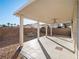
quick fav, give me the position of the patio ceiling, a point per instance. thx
(48, 11)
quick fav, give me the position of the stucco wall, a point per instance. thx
(78, 24)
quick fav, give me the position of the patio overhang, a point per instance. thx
(48, 11)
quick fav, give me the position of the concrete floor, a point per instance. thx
(44, 48)
(67, 43)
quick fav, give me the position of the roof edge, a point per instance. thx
(26, 4)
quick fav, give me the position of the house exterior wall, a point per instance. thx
(78, 28)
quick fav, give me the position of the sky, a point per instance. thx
(8, 8)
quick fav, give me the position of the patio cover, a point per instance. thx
(48, 11)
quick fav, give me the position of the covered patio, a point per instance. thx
(49, 12)
(44, 48)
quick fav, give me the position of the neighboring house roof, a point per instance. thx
(35, 25)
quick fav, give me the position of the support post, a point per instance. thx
(38, 30)
(75, 37)
(46, 30)
(21, 31)
(75, 29)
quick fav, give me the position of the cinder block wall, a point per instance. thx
(58, 31)
(62, 31)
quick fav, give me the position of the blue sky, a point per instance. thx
(7, 9)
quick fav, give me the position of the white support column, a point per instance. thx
(75, 37)
(51, 30)
(21, 31)
(46, 29)
(75, 29)
(38, 30)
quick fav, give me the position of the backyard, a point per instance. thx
(9, 39)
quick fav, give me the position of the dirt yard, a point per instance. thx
(9, 39)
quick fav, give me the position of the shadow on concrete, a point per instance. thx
(44, 51)
(61, 45)
(17, 53)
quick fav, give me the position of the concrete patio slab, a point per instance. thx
(35, 49)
